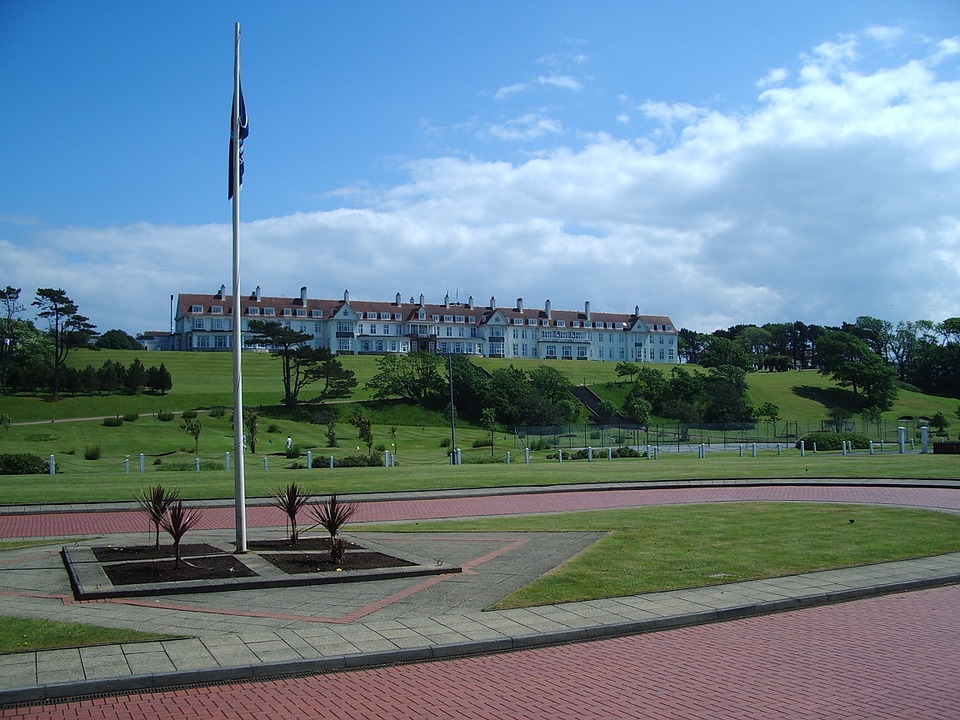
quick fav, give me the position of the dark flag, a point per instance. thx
(244, 130)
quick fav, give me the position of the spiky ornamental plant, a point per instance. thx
(291, 500)
(178, 522)
(155, 502)
(332, 514)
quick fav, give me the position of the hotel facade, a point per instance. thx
(345, 326)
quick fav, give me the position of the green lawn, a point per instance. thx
(24, 635)
(670, 547)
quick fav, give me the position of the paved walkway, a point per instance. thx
(258, 634)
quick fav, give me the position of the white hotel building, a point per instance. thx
(204, 322)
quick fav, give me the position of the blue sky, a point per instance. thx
(721, 163)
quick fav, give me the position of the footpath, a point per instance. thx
(255, 634)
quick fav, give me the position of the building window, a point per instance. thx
(551, 351)
(269, 311)
(344, 327)
(253, 311)
(217, 309)
(582, 351)
(301, 312)
(345, 345)
(286, 312)
(458, 318)
(198, 323)
(316, 313)
(218, 324)
(196, 308)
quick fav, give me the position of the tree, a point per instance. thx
(415, 376)
(291, 500)
(117, 340)
(284, 343)
(9, 330)
(159, 379)
(637, 407)
(135, 377)
(628, 370)
(178, 522)
(192, 427)
(251, 423)
(770, 412)
(849, 361)
(155, 502)
(321, 365)
(721, 351)
(364, 427)
(488, 421)
(332, 515)
(67, 327)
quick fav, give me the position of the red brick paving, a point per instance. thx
(891, 657)
(66, 524)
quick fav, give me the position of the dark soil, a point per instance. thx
(210, 567)
(145, 564)
(149, 552)
(294, 563)
(304, 544)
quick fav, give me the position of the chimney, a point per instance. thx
(346, 296)
(493, 302)
(548, 310)
(586, 309)
(399, 303)
(303, 296)
(636, 311)
(421, 298)
(223, 289)
(446, 300)
(470, 302)
(519, 305)
(256, 294)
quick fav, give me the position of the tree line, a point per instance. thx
(34, 360)
(922, 354)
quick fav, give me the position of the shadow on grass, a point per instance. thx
(829, 397)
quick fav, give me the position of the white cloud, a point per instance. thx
(561, 81)
(525, 127)
(774, 77)
(505, 92)
(834, 196)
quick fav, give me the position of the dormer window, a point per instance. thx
(269, 311)
(301, 312)
(286, 312)
(217, 309)
(458, 318)
(196, 308)
(532, 321)
(561, 323)
(316, 313)
(422, 315)
(253, 311)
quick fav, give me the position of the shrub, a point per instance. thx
(22, 464)
(483, 442)
(218, 411)
(445, 442)
(113, 421)
(358, 461)
(163, 416)
(292, 452)
(273, 428)
(189, 414)
(832, 441)
(91, 452)
(130, 417)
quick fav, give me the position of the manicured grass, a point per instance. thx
(115, 485)
(26, 635)
(670, 547)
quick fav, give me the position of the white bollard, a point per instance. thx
(196, 464)
(309, 459)
(526, 455)
(226, 461)
(141, 463)
(52, 465)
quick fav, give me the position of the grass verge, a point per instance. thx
(672, 547)
(27, 635)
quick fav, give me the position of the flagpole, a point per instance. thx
(239, 491)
